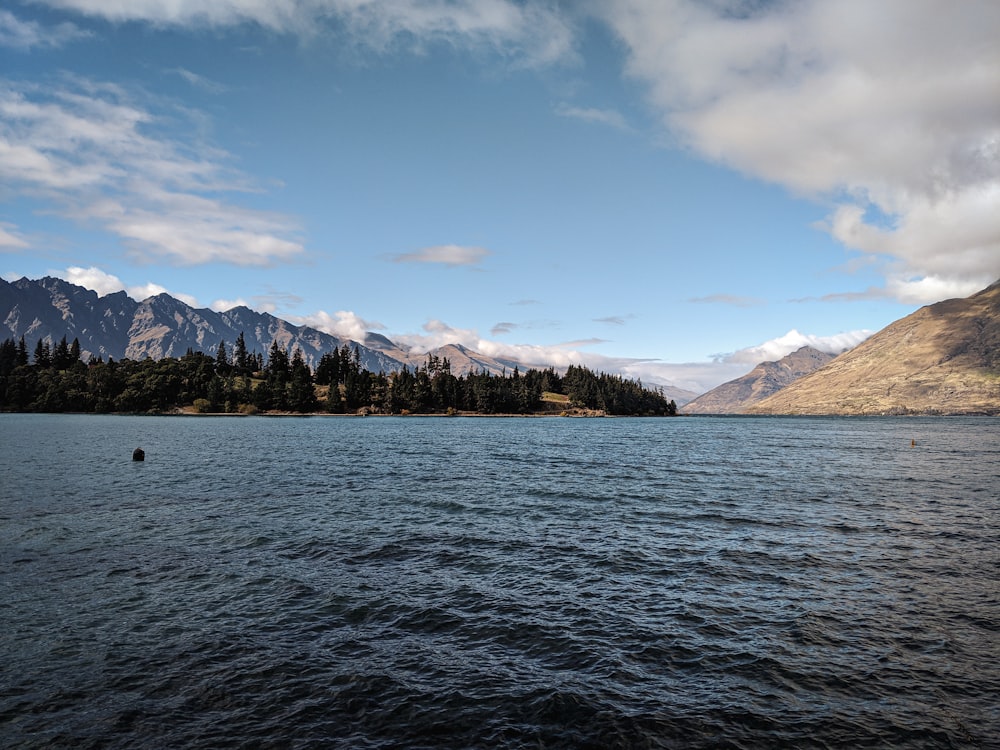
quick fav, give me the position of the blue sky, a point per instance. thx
(670, 189)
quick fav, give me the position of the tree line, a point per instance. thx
(55, 379)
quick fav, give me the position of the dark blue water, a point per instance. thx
(439, 583)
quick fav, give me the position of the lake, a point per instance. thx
(416, 582)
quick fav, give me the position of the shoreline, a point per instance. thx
(436, 415)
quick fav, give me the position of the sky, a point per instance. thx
(669, 189)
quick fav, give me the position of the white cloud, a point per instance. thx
(698, 377)
(105, 283)
(781, 346)
(343, 323)
(728, 299)
(888, 108)
(99, 157)
(613, 320)
(95, 279)
(222, 305)
(199, 81)
(437, 333)
(145, 291)
(448, 255)
(25, 35)
(919, 291)
(274, 14)
(911, 291)
(187, 229)
(701, 377)
(529, 33)
(609, 117)
(9, 238)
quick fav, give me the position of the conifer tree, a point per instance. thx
(301, 395)
(328, 370)
(240, 357)
(277, 361)
(334, 400)
(8, 357)
(222, 357)
(60, 356)
(43, 354)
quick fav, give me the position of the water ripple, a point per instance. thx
(430, 583)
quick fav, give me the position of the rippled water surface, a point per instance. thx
(467, 582)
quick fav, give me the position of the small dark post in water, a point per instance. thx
(138, 455)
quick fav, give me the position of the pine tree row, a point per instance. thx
(56, 380)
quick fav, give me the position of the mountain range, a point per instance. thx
(942, 359)
(119, 327)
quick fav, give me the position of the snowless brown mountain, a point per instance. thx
(764, 380)
(942, 359)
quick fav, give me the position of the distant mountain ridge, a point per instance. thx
(115, 325)
(764, 380)
(461, 359)
(942, 359)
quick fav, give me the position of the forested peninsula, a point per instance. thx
(55, 379)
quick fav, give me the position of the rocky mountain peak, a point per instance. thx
(117, 326)
(765, 379)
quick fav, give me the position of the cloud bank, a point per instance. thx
(24, 36)
(343, 323)
(9, 238)
(781, 346)
(888, 109)
(527, 33)
(105, 283)
(98, 155)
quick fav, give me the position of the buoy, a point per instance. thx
(913, 443)
(138, 455)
